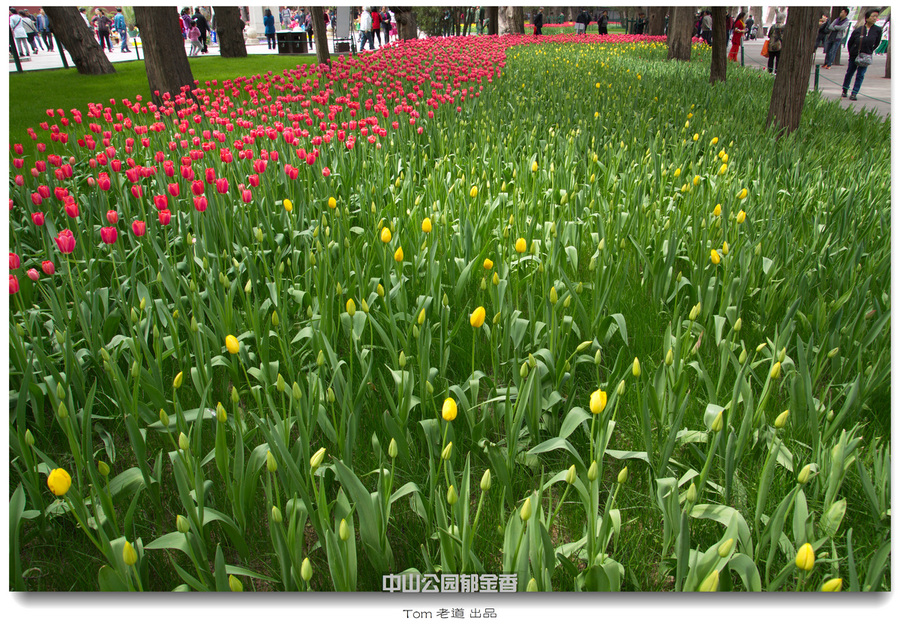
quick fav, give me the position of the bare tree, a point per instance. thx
(406, 22)
(166, 61)
(493, 17)
(230, 32)
(681, 23)
(657, 21)
(719, 64)
(792, 80)
(77, 37)
(318, 19)
(517, 20)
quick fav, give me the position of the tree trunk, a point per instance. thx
(406, 22)
(230, 32)
(792, 80)
(166, 62)
(719, 63)
(470, 14)
(76, 37)
(657, 21)
(887, 63)
(517, 21)
(318, 20)
(493, 15)
(681, 24)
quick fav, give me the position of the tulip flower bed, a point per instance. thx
(552, 309)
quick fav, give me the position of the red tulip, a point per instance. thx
(14, 261)
(104, 183)
(13, 284)
(210, 175)
(36, 198)
(65, 242)
(139, 228)
(222, 186)
(137, 191)
(20, 180)
(247, 195)
(18, 149)
(48, 268)
(33, 274)
(72, 210)
(169, 168)
(109, 234)
(165, 216)
(115, 165)
(326, 172)
(174, 189)
(38, 219)
(197, 187)
(161, 202)
(18, 163)
(254, 180)
(259, 166)
(200, 203)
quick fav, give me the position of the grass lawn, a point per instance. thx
(67, 89)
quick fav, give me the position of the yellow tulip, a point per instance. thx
(598, 401)
(398, 254)
(725, 248)
(833, 585)
(477, 317)
(741, 216)
(742, 194)
(426, 225)
(332, 203)
(711, 583)
(385, 235)
(306, 570)
(534, 166)
(59, 481)
(717, 211)
(232, 344)
(806, 557)
(448, 411)
(473, 192)
(129, 555)
(288, 205)
(520, 245)
(488, 264)
(636, 367)
(714, 257)
(351, 307)
(723, 169)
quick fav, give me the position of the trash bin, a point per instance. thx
(291, 42)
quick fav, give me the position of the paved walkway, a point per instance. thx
(875, 93)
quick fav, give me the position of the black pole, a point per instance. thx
(15, 50)
(62, 52)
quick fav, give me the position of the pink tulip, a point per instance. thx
(65, 241)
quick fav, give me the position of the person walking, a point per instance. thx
(122, 29)
(603, 23)
(386, 24)
(776, 42)
(269, 25)
(581, 22)
(194, 37)
(706, 27)
(203, 25)
(43, 26)
(860, 49)
(539, 22)
(102, 24)
(376, 26)
(17, 25)
(837, 31)
(31, 31)
(365, 30)
(737, 31)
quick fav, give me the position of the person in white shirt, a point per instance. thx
(365, 30)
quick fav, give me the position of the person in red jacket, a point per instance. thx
(376, 25)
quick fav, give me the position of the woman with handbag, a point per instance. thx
(861, 47)
(776, 42)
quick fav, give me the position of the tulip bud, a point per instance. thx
(306, 570)
(129, 555)
(276, 515)
(445, 454)
(743, 357)
(178, 379)
(803, 477)
(317, 458)
(296, 392)
(486, 480)
(532, 586)
(567, 302)
(103, 468)
(233, 582)
(670, 357)
(553, 296)
(833, 585)
(781, 419)
(429, 388)
(636, 368)
(711, 583)
(235, 398)
(691, 496)
(597, 357)
(716, 425)
(183, 442)
(392, 449)
(593, 471)
(776, 370)
(344, 530)
(623, 475)
(725, 547)
(104, 354)
(320, 359)
(271, 464)
(182, 524)
(452, 497)
(782, 354)
(164, 417)
(29, 438)
(525, 512)
(806, 557)
(279, 383)
(620, 389)
(364, 306)
(830, 415)
(62, 412)
(60, 392)
(380, 290)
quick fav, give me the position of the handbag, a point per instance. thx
(863, 59)
(765, 49)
